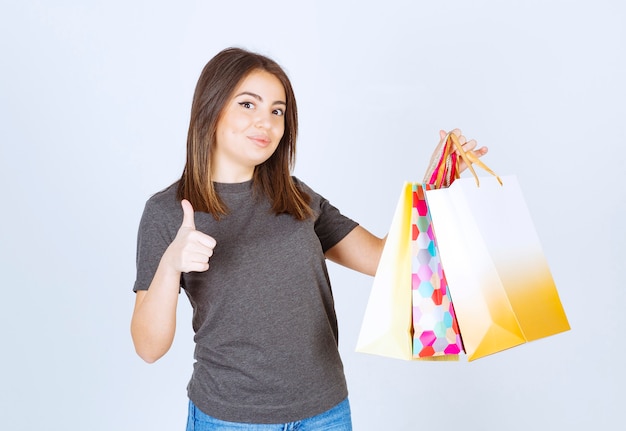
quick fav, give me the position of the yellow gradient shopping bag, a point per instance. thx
(502, 288)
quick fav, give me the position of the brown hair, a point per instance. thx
(219, 78)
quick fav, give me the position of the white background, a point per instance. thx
(94, 106)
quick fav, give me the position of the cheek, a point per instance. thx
(233, 122)
(237, 123)
(280, 128)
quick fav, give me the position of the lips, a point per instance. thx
(260, 140)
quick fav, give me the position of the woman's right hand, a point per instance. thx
(191, 249)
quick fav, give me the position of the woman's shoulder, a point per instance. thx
(302, 186)
(164, 201)
(316, 200)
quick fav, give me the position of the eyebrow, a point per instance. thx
(259, 98)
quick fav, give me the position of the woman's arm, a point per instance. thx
(154, 317)
(153, 323)
(359, 250)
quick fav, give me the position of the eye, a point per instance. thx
(247, 105)
(278, 112)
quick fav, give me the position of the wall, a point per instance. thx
(94, 105)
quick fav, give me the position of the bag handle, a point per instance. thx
(442, 169)
(450, 169)
(470, 158)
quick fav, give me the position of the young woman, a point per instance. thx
(248, 243)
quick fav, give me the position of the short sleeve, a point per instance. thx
(154, 235)
(331, 226)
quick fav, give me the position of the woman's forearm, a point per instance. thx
(153, 324)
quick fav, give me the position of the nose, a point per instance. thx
(263, 120)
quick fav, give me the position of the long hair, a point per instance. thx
(218, 80)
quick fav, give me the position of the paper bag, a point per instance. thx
(386, 329)
(410, 314)
(435, 328)
(503, 292)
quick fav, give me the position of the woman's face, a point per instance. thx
(251, 125)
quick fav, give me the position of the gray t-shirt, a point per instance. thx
(263, 314)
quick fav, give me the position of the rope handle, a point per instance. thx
(443, 170)
(470, 158)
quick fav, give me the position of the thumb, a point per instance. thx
(188, 215)
(442, 134)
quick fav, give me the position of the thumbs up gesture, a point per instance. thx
(191, 249)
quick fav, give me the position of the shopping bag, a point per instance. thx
(410, 314)
(386, 329)
(435, 328)
(502, 288)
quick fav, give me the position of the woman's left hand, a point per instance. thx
(470, 145)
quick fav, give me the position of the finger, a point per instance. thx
(207, 241)
(457, 132)
(196, 261)
(470, 145)
(196, 267)
(481, 151)
(200, 256)
(188, 215)
(202, 241)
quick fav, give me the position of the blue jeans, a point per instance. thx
(336, 419)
